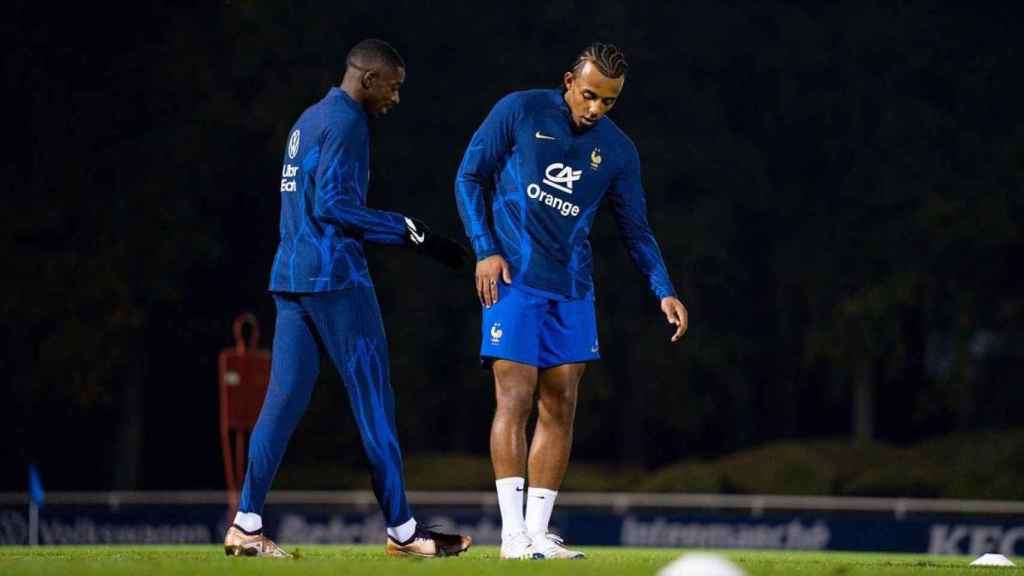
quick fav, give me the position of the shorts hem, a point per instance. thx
(572, 361)
(487, 361)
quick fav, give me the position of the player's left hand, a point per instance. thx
(441, 248)
(676, 314)
(446, 251)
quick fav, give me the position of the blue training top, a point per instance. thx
(544, 182)
(324, 218)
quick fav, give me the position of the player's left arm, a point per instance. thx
(338, 196)
(626, 197)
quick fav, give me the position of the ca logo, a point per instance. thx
(560, 177)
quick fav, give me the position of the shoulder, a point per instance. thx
(334, 120)
(526, 100)
(616, 139)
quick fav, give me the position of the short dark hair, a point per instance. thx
(607, 57)
(373, 52)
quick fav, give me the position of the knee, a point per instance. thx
(559, 404)
(513, 401)
(514, 386)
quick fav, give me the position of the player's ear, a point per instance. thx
(368, 79)
(567, 80)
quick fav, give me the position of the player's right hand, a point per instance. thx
(488, 273)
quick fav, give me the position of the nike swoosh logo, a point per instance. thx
(518, 489)
(415, 235)
(543, 136)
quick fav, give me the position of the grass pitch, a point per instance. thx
(338, 560)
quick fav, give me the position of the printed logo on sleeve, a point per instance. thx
(288, 172)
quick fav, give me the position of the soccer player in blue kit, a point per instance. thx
(326, 303)
(542, 161)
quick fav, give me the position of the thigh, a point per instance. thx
(514, 385)
(296, 348)
(349, 324)
(511, 373)
(341, 316)
(292, 321)
(568, 334)
(294, 367)
(560, 383)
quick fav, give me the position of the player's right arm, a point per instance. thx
(474, 186)
(338, 197)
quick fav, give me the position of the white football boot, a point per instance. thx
(551, 546)
(519, 546)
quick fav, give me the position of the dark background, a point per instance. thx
(837, 189)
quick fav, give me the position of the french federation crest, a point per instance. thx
(293, 145)
(595, 158)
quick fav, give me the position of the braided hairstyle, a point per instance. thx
(607, 57)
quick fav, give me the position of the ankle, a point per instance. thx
(248, 522)
(404, 533)
(248, 532)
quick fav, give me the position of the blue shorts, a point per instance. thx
(530, 329)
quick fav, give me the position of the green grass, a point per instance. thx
(979, 465)
(338, 560)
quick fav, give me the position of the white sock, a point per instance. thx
(249, 521)
(403, 532)
(510, 502)
(539, 504)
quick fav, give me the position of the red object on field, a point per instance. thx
(244, 376)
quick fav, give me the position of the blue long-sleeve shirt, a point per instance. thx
(543, 183)
(324, 218)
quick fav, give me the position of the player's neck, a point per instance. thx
(577, 130)
(354, 89)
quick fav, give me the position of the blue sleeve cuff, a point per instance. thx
(666, 293)
(483, 246)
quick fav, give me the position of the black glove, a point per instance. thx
(440, 248)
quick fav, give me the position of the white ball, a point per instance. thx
(701, 564)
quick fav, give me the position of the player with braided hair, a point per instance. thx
(608, 59)
(527, 190)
